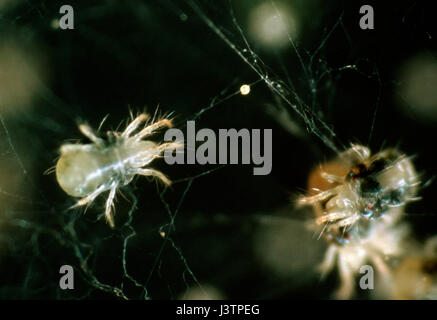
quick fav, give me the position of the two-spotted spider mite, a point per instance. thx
(359, 187)
(87, 170)
(358, 199)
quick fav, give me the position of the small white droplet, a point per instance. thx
(245, 89)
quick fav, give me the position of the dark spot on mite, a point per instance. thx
(395, 197)
(378, 165)
(370, 185)
(357, 171)
(430, 266)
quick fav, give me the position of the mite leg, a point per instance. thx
(318, 197)
(161, 148)
(154, 173)
(170, 145)
(347, 279)
(349, 221)
(155, 151)
(385, 275)
(330, 217)
(110, 206)
(89, 198)
(152, 128)
(134, 125)
(89, 133)
(328, 260)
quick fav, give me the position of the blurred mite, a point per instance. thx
(358, 199)
(88, 170)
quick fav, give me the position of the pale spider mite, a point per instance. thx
(358, 187)
(87, 170)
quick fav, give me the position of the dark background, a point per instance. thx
(136, 55)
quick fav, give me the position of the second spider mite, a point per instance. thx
(359, 199)
(87, 170)
(365, 188)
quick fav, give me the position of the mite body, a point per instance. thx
(80, 172)
(87, 170)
